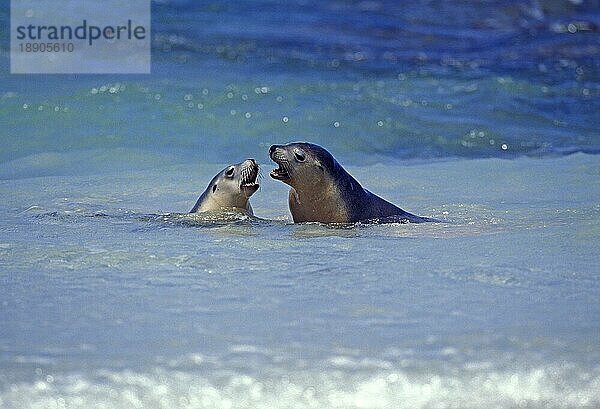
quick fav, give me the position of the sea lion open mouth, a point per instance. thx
(280, 173)
(251, 186)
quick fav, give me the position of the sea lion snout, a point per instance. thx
(248, 174)
(277, 153)
(276, 150)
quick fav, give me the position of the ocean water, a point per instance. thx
(481, 114)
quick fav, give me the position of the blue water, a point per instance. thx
(481, 114)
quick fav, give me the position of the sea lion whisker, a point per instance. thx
(248, 174)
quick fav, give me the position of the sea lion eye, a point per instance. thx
(299, 155)
(229, 172)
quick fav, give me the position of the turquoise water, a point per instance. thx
(483, 116)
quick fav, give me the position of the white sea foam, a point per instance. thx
(543, 387)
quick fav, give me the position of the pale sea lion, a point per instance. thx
(322, 190)
(230, 189)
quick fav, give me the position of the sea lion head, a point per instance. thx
(230, 188)
(301, 164)
(235, 182)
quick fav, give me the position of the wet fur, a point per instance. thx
(339, 198)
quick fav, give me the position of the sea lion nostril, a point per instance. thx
(272, 149)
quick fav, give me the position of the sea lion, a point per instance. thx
(322, 190)
(230, 189)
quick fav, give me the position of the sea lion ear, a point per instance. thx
(318, 163)
(214, 189)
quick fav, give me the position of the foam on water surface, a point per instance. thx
(548, 387)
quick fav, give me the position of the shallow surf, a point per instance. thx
(107, 302)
